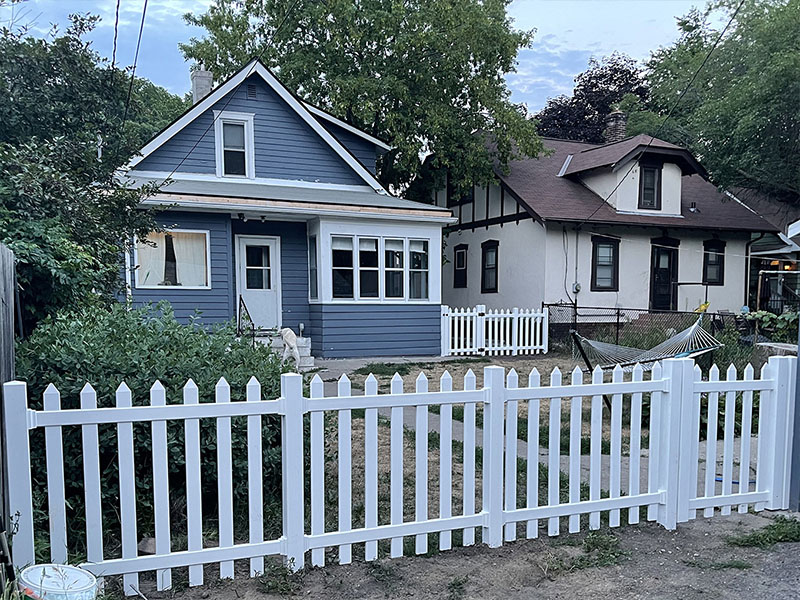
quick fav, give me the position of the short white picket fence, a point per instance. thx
(482, 332)
(677, 477)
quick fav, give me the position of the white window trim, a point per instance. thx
(358, 267)
(315, 253)
(246, 119)
(174, 287)
(426, 270)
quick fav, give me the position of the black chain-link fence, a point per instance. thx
(644, 329)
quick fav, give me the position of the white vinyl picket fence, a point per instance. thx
(478, 331)
(677, 476)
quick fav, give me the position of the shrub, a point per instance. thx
(107, 346)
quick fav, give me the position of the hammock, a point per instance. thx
(688, 343)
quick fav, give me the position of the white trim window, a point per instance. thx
(368, 268)
(313, 270)
(418, 269)
(342, 267)
(394, 271)
(235, 144)
(178, 258)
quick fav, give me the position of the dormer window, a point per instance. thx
(650, 187)
(233, 137)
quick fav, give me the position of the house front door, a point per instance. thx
(663, 277)
(258, 279)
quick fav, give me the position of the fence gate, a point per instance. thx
(482, 332)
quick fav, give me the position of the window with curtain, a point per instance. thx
(342, 263)
(605, 264)
(714, 262)
(173, 258)
(418, 269)
(313, 282)
(393, 265)
(489, 266)
(368, 275)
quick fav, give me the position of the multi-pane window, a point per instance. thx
(234, 152)
(313, 281)
(650, 188)
(460, 266)
(489, 250)
(714, 262)
(342, 262)
(368, 274)
(605, 264)
(418, 269)
(394, 252)
(173, 258)
(258, 268)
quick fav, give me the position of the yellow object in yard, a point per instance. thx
(702, 308)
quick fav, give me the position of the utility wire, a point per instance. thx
(116, 31)
(669, 114)
(133, 71)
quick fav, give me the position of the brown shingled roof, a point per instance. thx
(548, 197)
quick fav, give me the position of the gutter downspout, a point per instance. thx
(747, 268)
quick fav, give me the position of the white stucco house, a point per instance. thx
(633, 223)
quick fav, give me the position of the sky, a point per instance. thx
(568, 34)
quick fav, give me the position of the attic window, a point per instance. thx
(650, 187)
(251, 91)
(233, 137)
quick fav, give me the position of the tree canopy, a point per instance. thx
(597, 91)
(741, 116)
(62, 211)
(425, 75)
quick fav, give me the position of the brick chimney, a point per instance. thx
(616, 125)
(202, 82)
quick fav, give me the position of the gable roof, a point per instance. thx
(618, 153)
(303, 110)
(536, 184)
(318, 112)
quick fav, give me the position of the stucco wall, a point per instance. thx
(625, 198)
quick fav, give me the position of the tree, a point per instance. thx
(62, 211)
(741, 115)
(425, 75)
(597, 91)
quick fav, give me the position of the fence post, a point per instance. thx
(686, 436)
(514, 331)
(669, 458)
(545, 330)
(480, 329)
(780, 395)
(20, 497)
(445, 327)
(494, 411)
(292, 455)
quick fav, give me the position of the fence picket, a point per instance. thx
(255, 500)
(511, 456)
(158, 397)
(728, 434)
(222, 395)
(616, 446)
(421, 460)
(554, 452)
(469, 458)
(575, 426)
(345, 473)
(91, 477)
(317, 471)
(396, 469)
(694, 440)
(595, 439)
(532, 472)
(371, 467)
(56, 503)
(656, 399)
(194, 495)
(446, 461)
(127, 491)
(747, 427)
(766, 431)
(711, 440)
(635, 452)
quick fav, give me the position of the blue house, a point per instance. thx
(272, 206)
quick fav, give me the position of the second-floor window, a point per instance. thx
(650, 187)
(233, 133)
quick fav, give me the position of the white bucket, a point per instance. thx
(58, 582)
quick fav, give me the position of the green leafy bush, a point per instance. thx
(108, 346)
(779, 328)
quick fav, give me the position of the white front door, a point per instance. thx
(258, 278)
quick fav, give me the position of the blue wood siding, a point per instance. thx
(294, 266)
(216, 304)
(352, 330)
(285, 146)
(363, 150)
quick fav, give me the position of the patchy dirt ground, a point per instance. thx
(693, 562)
